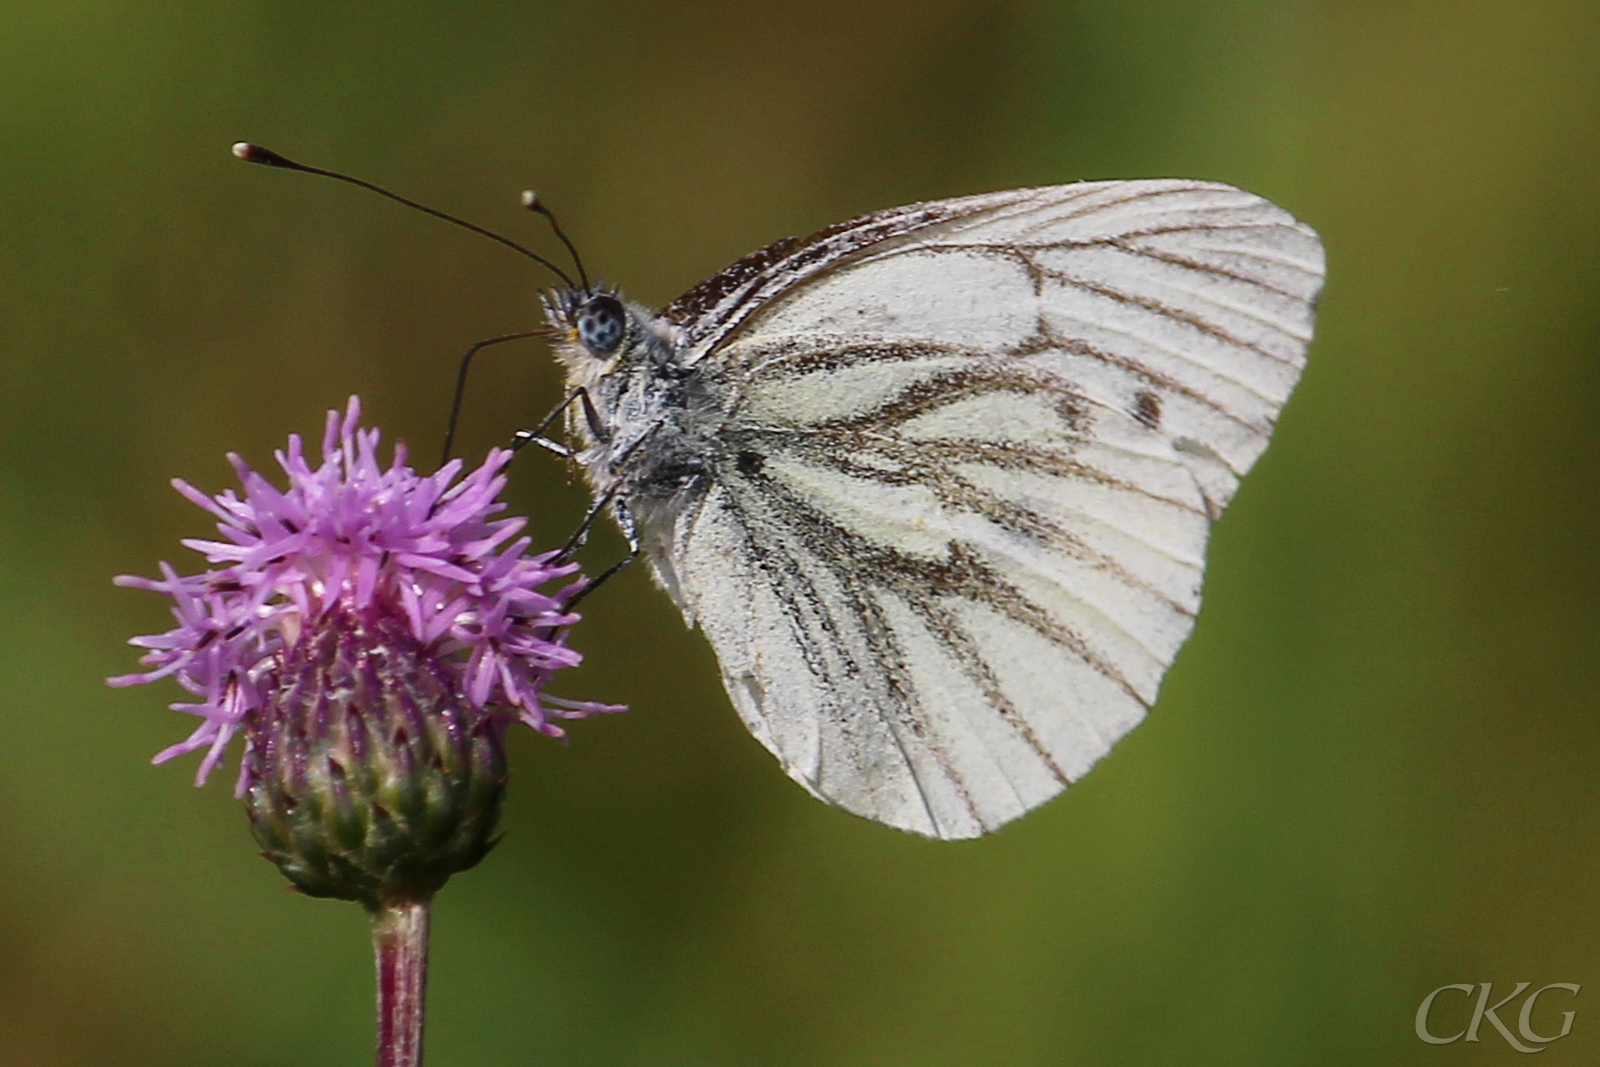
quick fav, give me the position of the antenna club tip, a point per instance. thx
(530, 200)
(254, 153)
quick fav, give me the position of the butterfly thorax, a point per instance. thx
(937, 482)
(651, 434)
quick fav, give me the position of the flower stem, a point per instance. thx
(400, 943)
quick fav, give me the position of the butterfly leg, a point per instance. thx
(581, 534)
(461, 381)
(523, 438)
(630, 530)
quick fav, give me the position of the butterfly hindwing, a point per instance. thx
(969, 456)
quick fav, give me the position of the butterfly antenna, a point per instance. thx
(252, 153)
(531, 201)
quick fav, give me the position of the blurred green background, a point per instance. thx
(1372, 771)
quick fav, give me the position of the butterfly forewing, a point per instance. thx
(970, 454)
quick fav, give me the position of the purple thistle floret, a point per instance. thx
(353, 536)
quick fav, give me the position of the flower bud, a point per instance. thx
(372, 778)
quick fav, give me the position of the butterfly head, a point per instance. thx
(596, 331)
(600, 324)
(592, 323)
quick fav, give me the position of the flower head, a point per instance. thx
(372, 632)
(351, 540)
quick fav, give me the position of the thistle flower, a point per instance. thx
(372, 632)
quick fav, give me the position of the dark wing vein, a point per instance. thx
(810, 529)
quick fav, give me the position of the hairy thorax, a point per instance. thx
(650, 428)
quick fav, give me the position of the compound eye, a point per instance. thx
(601, 324)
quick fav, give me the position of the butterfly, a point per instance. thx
(936, 482)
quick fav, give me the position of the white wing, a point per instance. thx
(956, 529)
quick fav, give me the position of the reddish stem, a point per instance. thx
(400, 943)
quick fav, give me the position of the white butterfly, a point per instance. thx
(936, 482)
